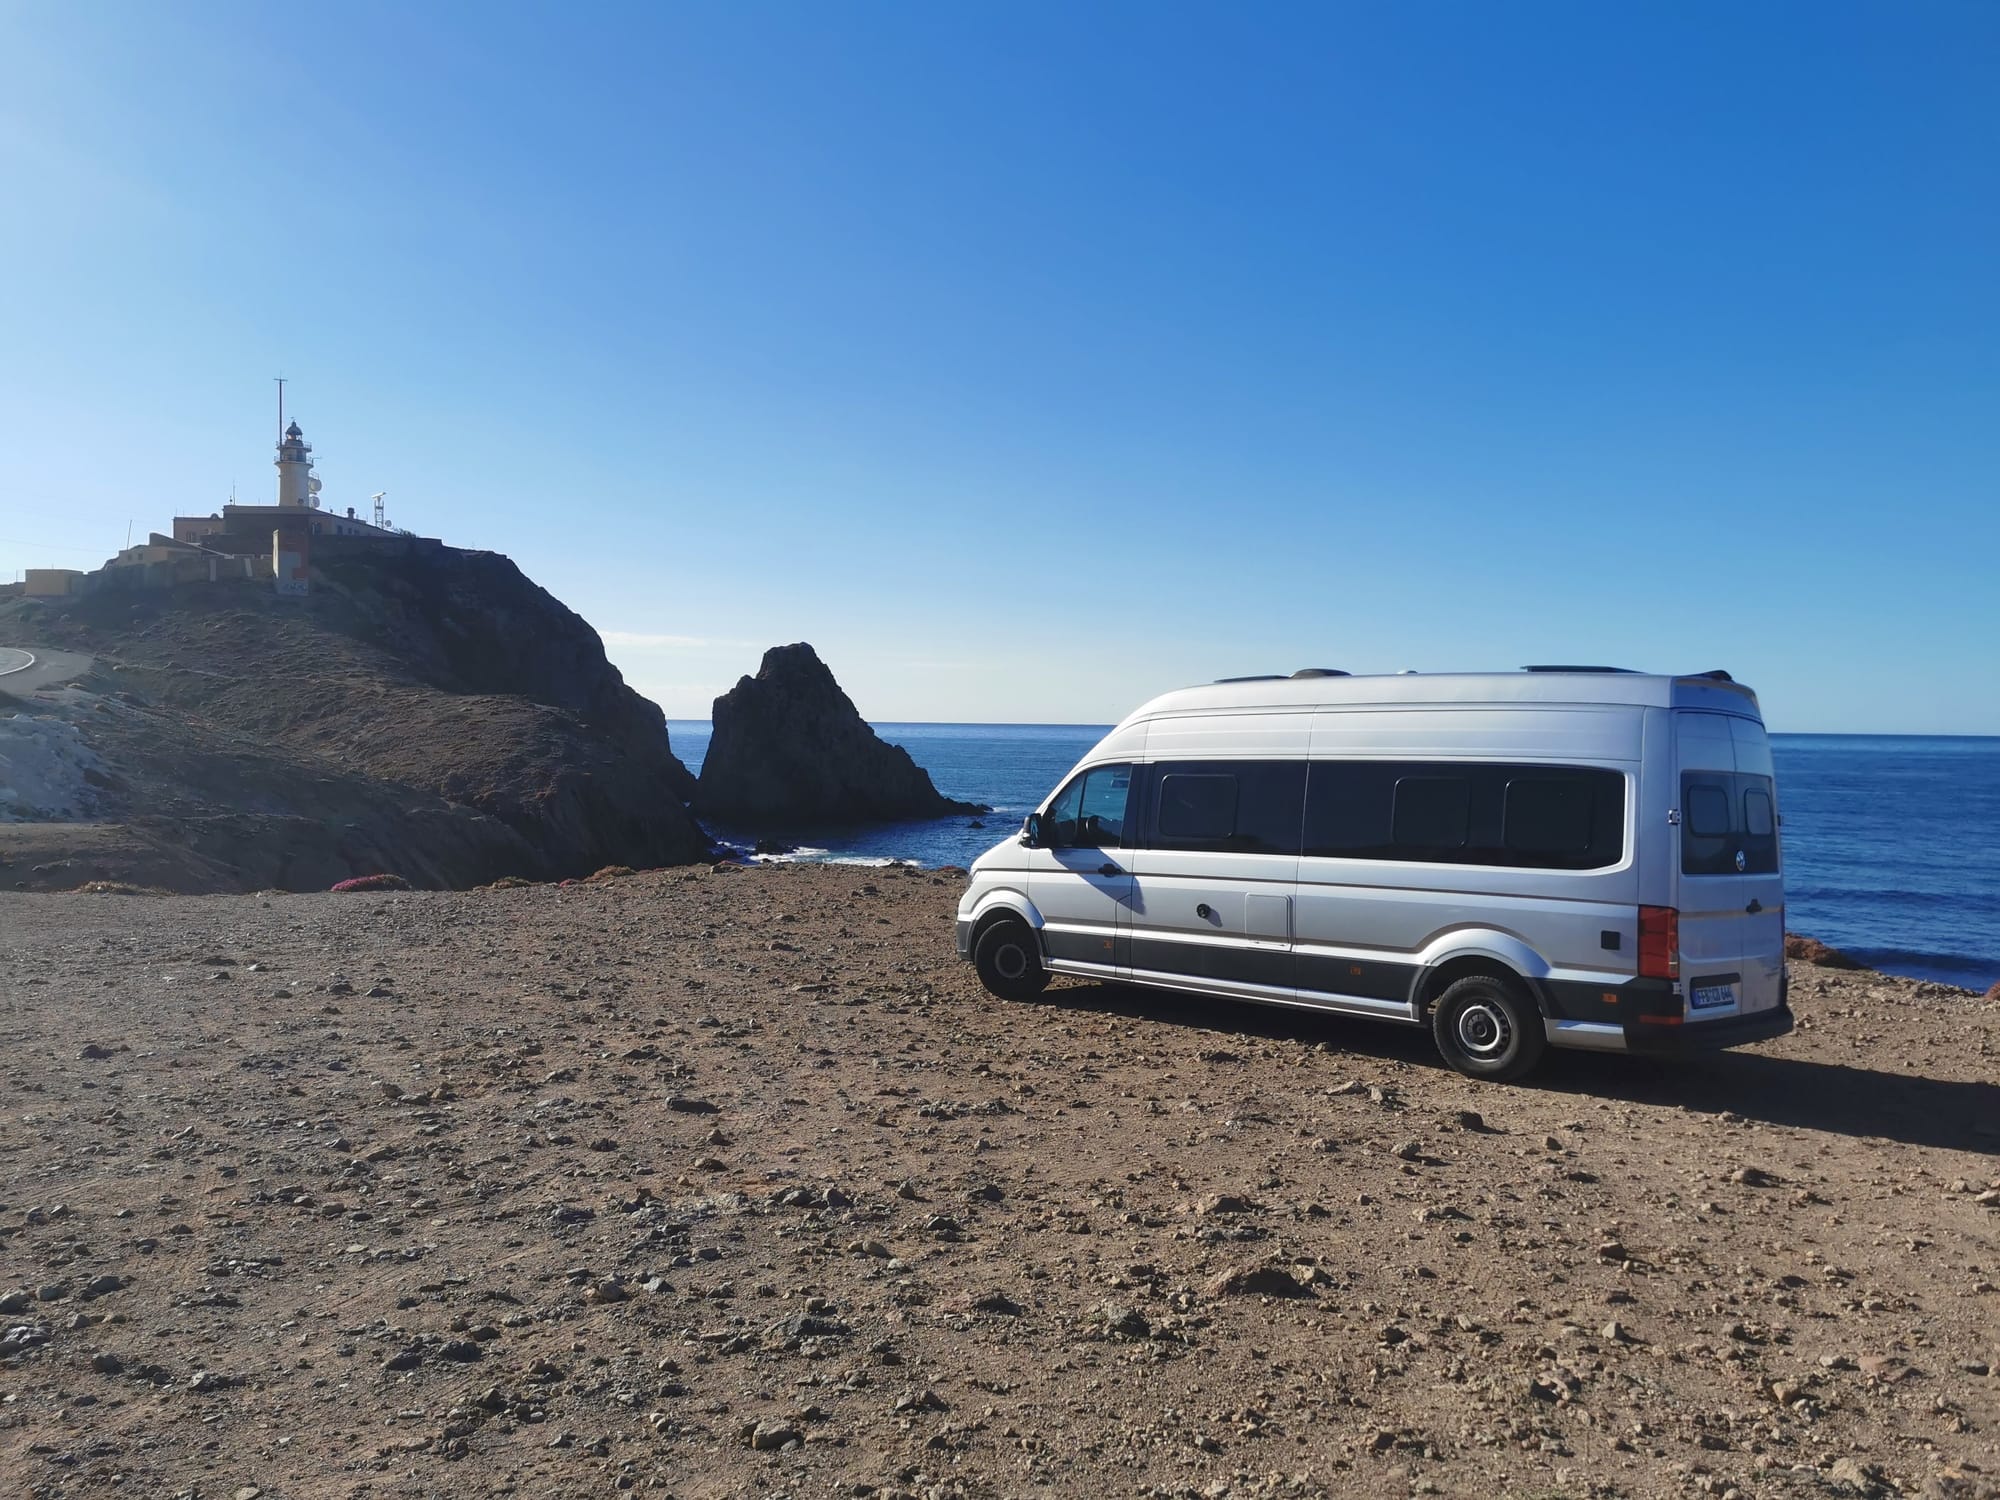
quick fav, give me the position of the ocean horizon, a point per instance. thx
(1891, 842)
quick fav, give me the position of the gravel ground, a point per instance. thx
(735, 1184)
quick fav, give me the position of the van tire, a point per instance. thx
(1009, 961)
(1486, 1027)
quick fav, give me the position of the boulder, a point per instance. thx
(1810, 950)
(790, 748)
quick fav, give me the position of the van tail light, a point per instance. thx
(1659, 942)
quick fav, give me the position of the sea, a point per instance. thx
(1891, 842)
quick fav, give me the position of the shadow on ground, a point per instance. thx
(1832, 1097)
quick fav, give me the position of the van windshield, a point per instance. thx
(1729, 824)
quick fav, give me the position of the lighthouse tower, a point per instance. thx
(297, 488)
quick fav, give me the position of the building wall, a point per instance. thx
(198, 528)
(49, 583)
(182, 568)
(156, 551)
(291, 558)
(259, 519)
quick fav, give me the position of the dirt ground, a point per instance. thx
(735, 1184)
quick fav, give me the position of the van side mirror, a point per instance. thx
(1031, 830)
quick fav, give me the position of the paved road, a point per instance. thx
(24, 671)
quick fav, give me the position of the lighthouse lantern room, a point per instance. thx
(298, 488)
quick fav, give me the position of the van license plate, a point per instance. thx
(1710, 996)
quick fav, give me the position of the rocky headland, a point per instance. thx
(434, 715)
(790, 750)
(733, 1182)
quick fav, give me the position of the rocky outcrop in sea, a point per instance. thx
(791, 749)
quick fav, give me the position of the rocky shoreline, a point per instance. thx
(731, 1181)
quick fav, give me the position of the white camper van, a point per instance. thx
(1562, 856)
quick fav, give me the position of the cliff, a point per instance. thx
(434, 715)
(791, 749)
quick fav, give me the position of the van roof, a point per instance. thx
(1544, 685)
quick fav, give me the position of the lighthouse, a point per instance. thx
(297, 488)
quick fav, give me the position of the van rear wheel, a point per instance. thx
(1487, 1028)
(1009, 961)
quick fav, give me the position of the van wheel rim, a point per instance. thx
(1483, 1030)
(1010, 961)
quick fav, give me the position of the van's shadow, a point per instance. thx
(1838, 1098)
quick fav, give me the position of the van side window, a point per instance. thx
(1197, 808)
(1238, 807)
(1548, 815)
(1432, 812)
(1466, 813)
(1089, 813)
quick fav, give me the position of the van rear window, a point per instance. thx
(1531, 817)
(1729, 824)
(1757, 819)
(1708, 811)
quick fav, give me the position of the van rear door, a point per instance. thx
(1731, 886)
(1763, 882)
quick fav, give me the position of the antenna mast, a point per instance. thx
(380, 524)
(281, 406)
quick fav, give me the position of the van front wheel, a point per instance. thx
(1009, 961)
(1486, 1028)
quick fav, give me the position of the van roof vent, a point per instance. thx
(1626, 670)
(1321, 672)
(1259, 677)
(1718, 675)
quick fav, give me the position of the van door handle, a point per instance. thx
(1109, 869)
(1754, 907)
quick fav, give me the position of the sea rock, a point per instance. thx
(1810, 950)
(790, 747)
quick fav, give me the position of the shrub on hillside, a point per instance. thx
(372, 883)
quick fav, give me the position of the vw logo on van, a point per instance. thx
(1742, 864)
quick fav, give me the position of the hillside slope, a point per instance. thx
(437, 716)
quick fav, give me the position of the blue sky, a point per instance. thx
(1031, 359)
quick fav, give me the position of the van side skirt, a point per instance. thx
(1346, 1005)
